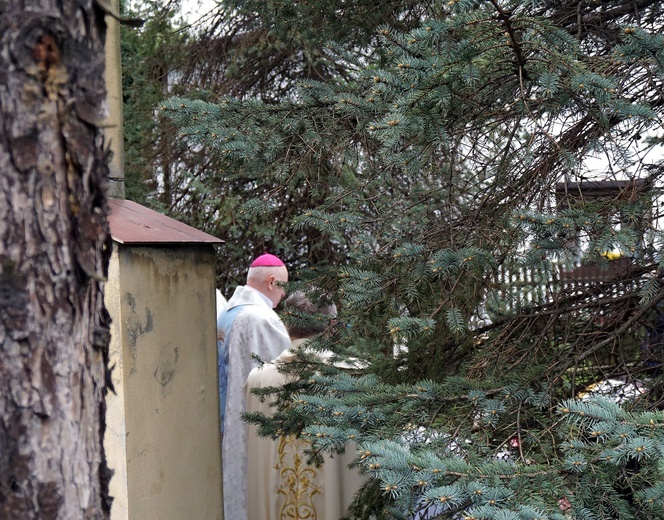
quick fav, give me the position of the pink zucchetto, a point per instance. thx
(267, 260)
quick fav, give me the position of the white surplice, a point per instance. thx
(247, 326)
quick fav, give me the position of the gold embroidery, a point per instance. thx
(297, 481)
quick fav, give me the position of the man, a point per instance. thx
(247, 326)
(281, 484)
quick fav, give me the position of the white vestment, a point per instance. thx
(221, 303)
(247, 326)
(281, 485)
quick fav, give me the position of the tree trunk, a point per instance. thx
(54, 328)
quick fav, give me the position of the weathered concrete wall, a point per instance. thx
(163, 424)
(116, 429)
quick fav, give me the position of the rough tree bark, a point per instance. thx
(53, 258)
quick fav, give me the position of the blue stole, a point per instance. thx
(224, 323)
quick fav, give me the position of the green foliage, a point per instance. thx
(165, 58)
(484, 278)
(146, 68)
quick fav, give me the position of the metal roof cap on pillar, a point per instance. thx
(131, 223)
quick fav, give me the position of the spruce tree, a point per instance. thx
(489, 174)
(221, 52)
(150, 57)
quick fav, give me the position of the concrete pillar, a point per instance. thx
(163, 438)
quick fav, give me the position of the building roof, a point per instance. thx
(132, 223)
(569, 193)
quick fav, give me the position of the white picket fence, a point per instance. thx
(517, 289)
